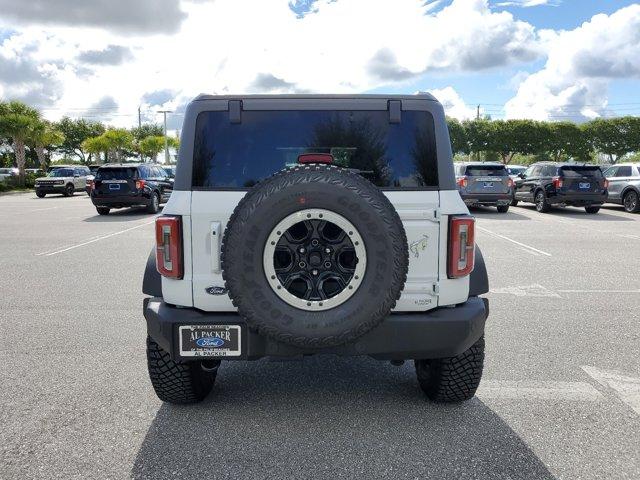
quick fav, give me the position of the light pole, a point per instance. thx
(166, 140)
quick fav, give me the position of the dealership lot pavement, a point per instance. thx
(560, 397)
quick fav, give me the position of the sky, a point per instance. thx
(105, 59)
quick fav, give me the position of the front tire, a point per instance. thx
(103, 210)
(154, 206)
(631, 202)
(503, 208)
(41, 194)
(69, 190)
(592, 210)
(542, 204)
(177, 382)
(453, 379)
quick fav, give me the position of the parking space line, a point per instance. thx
(625, 387)
(539, 390)
(523, 245)
(102, 237)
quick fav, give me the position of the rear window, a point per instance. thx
(580, 171)
(115, 173)
(390, 155)
(486, 171)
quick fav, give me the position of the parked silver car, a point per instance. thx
(484, 184)
(624, 185)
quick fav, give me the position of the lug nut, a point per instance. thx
(314, 242)
(302, 264)
(315, 272)
(302, 250)
(327, 264)
(327, 250)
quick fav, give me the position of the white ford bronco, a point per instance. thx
(315, 224)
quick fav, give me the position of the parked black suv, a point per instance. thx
(550, 184)
(130, 185)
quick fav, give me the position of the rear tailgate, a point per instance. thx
(485, 179)
(115, 181)
(582, 179)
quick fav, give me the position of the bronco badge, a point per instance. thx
(419, 246)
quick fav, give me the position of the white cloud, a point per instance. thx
(453, 104)
(226, 46)
(581, 63)
(529, 3)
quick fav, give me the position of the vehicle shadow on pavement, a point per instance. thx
(571, 212)
(329, 417)
(122, 215)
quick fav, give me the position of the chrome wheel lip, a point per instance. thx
(314, 214)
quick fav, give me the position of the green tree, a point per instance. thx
(458, 136)
(566, 140)
(18, 122)
(46, 138)
(614, 137)
(119, 142)
(147, 130)
(478, 133)
(96, 146)
(75, 132)
(508, 137)
(151, 146)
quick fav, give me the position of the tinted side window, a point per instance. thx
(611, 172)
(390, 155)
(536, 172)
(143, 171)
(624, 171)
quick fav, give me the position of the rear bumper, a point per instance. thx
(121, 201)
(439, 333)
(577, 199)
(487, 198)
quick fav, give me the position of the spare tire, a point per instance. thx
(314, 256)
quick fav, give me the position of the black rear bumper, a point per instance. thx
(577, 199)
(443, 332)
(487, 198)
(121, 201)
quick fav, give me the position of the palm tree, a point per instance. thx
(19, 122)
(45, 137)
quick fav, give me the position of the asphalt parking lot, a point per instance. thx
(560, 397)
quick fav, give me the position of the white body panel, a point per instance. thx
(424, 215)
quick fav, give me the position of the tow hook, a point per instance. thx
(397, 363)
(210, 366)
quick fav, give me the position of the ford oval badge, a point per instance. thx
(210, 342)
(214, 290)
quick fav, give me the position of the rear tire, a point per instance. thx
(41, 194)
(154, 206)
(69, 190)
(503, 208)
(542, 205)
(103, 210)
(177, 382)
(514, 202)
(592, 210)
(631, 202)
(453, 379)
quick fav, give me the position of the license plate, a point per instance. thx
(114, 186)
(210, 341)
(488, 185)
(584, 186)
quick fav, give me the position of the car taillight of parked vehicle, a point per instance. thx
(462, 182)
(91, 184)
(605, 184)
(510, 182)
(461, 246)
(169, 260)
(557, 183)
(140, 184)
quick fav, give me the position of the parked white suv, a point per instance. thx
(64, 179)
(304, 225)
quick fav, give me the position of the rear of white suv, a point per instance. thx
(315, 224)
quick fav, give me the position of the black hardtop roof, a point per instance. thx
(129, 165)
(328, 96)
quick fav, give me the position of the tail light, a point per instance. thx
(605, 185)
(461, 246)
(510, 182)
(92, 185)
(169, 246)
(462, 182)
(140, 184)
(557, 183)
